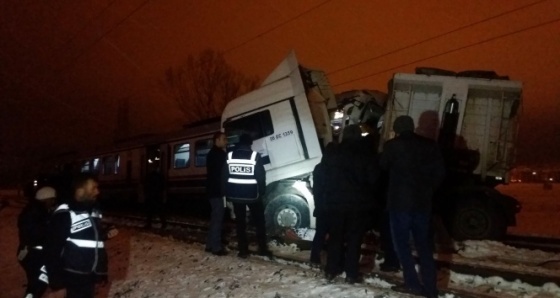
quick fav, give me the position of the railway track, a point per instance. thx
(533, 242)
(447, 263)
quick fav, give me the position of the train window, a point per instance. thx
(95, 165)
(85, 167)
(202, 147)
(117, 163)
(181, 155)
(108, 165)
(258, 125)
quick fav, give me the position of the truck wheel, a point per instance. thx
(286, 211)
(475, 220)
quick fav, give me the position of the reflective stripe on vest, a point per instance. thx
(242, 181)
(87, 243)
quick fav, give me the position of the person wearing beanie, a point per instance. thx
(32, 230)
(416, 169)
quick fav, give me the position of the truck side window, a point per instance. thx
(258, 125)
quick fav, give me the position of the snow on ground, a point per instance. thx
(147, 265)
(162, 267)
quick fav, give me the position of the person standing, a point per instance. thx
(320, 212)
(321, 228)
(215, 161)
(32, 227)
(416, 170)
(244, 183)
(154, 189)
(351, 173)
(75, 253)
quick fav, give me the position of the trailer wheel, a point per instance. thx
(286, 211)
(475, 220)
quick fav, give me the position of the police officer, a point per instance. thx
(75, 252)
(32, 225)
(244, 183)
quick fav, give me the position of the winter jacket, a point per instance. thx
(155, 185)
(215, 160)
(416, 170)
(350, 176)
(319, 189)
(32, 225)
(75, 245)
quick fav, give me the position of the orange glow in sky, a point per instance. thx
(69, 64)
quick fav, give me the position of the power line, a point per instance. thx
(88, 48)
(451, 51)
(277, 26)
(88, 23)
(436, 37)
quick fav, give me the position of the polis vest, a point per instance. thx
(84, 251)
(242, 185)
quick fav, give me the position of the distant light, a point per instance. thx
(499, 178)
(35, 182)
(534, 173)
(336, 127)
(550, 179)
(338, 115)
(365, 134)
(157, 158)
(150, 160)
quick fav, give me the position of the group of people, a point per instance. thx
(354, 183)
(61, 246)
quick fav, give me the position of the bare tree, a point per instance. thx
(203, 85)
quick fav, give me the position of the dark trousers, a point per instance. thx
(257, 216)
(346, 227)
(155, 206)
(321, 231)
(32, 264)
(214, 240)
(417, 223)
(80, 286)
(386, 242)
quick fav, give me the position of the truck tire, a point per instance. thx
(475, 220)
(286, 211)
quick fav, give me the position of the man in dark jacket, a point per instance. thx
(154, 190)
(75, 252)
(244, 183)
(351, 173)
(215, 161)
(416, 170)
(32, 225)
(321, 228)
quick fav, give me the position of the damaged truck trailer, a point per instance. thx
(290, 117)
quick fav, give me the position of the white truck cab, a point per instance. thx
(288, 120)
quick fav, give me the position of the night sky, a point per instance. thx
(67, 66)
